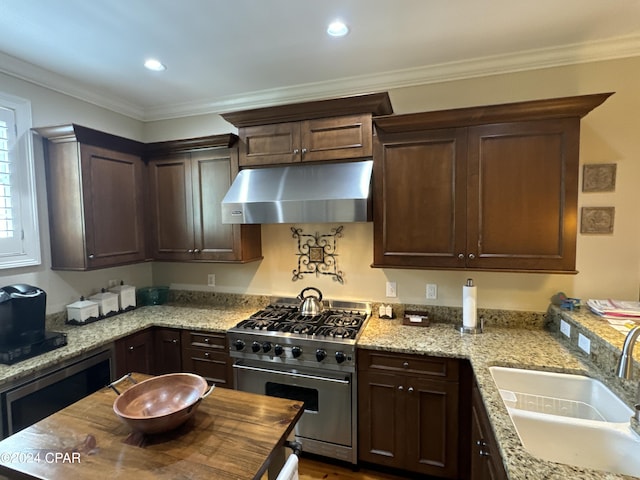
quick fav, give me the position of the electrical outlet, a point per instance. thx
(392, 289)
(565, 328)
(211, 280)
(432, 291)
(584, 343)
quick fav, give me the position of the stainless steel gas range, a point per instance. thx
(311, 358)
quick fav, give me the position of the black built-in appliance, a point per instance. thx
(311, 358)
(22, 324)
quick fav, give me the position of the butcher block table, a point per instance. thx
(233, 435)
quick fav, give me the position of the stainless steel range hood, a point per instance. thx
(317, 193)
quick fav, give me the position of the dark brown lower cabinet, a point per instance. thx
(134, 353)
(408, 412)
(206, 354)
(486, 462)
(167, 351)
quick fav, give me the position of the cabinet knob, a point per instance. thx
(471, 256)
(190, 250)
(400, 388)
(461, 256)
(405, 364)
(410, 389)
(175, 340)
(91, 255)
(296, 151)
(206, 339)
(131, 349)
(304, 150)
(206, 354)
(197, 250)
(484, 453)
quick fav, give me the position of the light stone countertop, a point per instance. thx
(511, 347)
(498, 345)
(85, 338)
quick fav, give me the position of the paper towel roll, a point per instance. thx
(469, 310)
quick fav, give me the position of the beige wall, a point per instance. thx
(609, 265)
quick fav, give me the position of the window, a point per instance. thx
(19, 236)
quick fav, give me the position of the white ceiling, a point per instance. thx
(225, 55)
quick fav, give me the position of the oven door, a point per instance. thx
(326, 395)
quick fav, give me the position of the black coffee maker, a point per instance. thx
(22, 324)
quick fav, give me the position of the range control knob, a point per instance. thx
(278, 350)
(296, 352)
(266, 347)
(239, 344)
(255, 347)
(340, 357)
(321, 354)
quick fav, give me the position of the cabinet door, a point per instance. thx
(336, 138)
(167, 351)
(112, 185)
(522, 195)
(171, 202)
(381, 418)
(269, 144)
(212, 173)
(135, 353)
(486, 463)
(432, 426)
(420, 199)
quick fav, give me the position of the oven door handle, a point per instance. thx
(291, 374)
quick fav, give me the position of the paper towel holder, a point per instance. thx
(472, 330)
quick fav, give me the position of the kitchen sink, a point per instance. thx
(601, 446)
(571, 419)
(567, 395)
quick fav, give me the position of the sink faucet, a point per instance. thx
(624, 364)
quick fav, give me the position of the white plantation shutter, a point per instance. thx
(19, 238)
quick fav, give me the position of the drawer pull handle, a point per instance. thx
(405, 364)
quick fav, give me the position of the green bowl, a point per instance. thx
(152, 296)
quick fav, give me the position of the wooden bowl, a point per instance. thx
(161, 403)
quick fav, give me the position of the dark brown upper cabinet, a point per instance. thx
(488, 188)
(325, 130)
(187, 181)
(95, 193)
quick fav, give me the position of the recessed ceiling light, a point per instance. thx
(337, 29)
(155, 65)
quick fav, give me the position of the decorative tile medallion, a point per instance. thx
(597, 219)
(599, 177)
(317, 254)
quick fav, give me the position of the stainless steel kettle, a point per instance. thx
(311, 304)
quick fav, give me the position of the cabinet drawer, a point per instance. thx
(443, 368)
(212, 365)
(216, 341)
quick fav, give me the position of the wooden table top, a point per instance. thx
(233, 435)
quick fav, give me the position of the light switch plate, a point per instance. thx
(565, 328)
(584, 343)
(392, 289)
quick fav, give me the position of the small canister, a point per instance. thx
(83, 311)
(107, 301)
(126, 296)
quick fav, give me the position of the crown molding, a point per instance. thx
(67, 86)
(610, 49)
